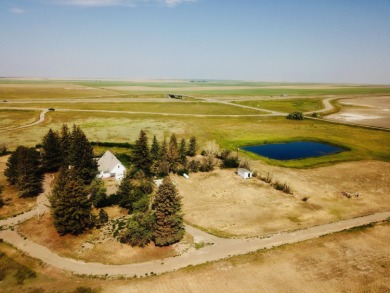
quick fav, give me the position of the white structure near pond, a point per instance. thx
(110, 166)
(244, 173)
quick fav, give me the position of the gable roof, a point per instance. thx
(108, 162)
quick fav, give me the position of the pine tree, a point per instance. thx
(192, 148)
(163, 167)
(155, 149)
(169, 227)
(51, 152)
(141, 154)
(24, 171)
(65, 142)
(98, 193)
(183, 151)
(70, 206)
(81, 156)
(173, 153)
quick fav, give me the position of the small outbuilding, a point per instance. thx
(110, 166)
(244, 173)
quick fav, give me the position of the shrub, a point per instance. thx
(194, 166)
(24, 273)
(295, 116)
(230, 162)
(244, 163)
(315, 115)
(282, 187)
(141, 205)
(139, 230)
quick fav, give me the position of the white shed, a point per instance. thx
(110, 166)
(244, 173)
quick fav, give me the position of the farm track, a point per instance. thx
(214, 249)
(40, 120)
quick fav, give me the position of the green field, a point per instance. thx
(229, 133)
(203, 108)
(286, 105)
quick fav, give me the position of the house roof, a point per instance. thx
(108, 162)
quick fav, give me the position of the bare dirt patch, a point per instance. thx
(227, 205)
(372, 111)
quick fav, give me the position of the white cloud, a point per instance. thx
(172, 3)
(17, 10)
(131, 3)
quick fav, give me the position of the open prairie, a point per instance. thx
(233, 114)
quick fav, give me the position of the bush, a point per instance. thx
(141, 205)
(194, 166)
(24, 273)
(139, 230)
(103, 216)
(282, 187)
(315, 115)
(231, 162)
(295, 116)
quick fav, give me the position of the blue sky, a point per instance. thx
(342, 41)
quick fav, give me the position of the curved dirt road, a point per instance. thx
(215, 248)
(40, 120)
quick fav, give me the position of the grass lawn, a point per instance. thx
(290, 105)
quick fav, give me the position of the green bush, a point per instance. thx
(295, 116)
(139, 230)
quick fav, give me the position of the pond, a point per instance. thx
(294, 150)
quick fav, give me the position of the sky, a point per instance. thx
(328, 41)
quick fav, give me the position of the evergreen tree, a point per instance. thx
(98, 193)
(141, 154)
(155, 149)
(183, 151)
(130, 197)
(70, 206)
(103, 216)
(65, 142)
(173, 153)
(81, 156)
(24, 171)
(163, 167)
(193, 147)
(51, 152)
(169, 227)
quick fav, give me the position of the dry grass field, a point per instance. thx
(14, 118)
(224, 204)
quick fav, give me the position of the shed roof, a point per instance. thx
(108, 162)
(242, 170)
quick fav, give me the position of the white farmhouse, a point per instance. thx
(244, 173)
(110, 166)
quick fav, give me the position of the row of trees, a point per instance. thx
(162, 157)
(26, 166)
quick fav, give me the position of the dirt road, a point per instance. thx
(215, 248)
(40, 120)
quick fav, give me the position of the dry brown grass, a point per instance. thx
(227, 205)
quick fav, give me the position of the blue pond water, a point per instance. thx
(293, 150)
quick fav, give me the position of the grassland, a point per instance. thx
(286, 105)
(14, 118)
(229, 133)
(194, 108)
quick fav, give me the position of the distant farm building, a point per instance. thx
(110, 166)
(244, 173)
(178, 97)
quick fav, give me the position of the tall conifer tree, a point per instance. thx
(141, 153)
(169, 227)
(70, 206)
(51, 152)
(155, 149)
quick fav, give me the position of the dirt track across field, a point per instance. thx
(40, 120)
